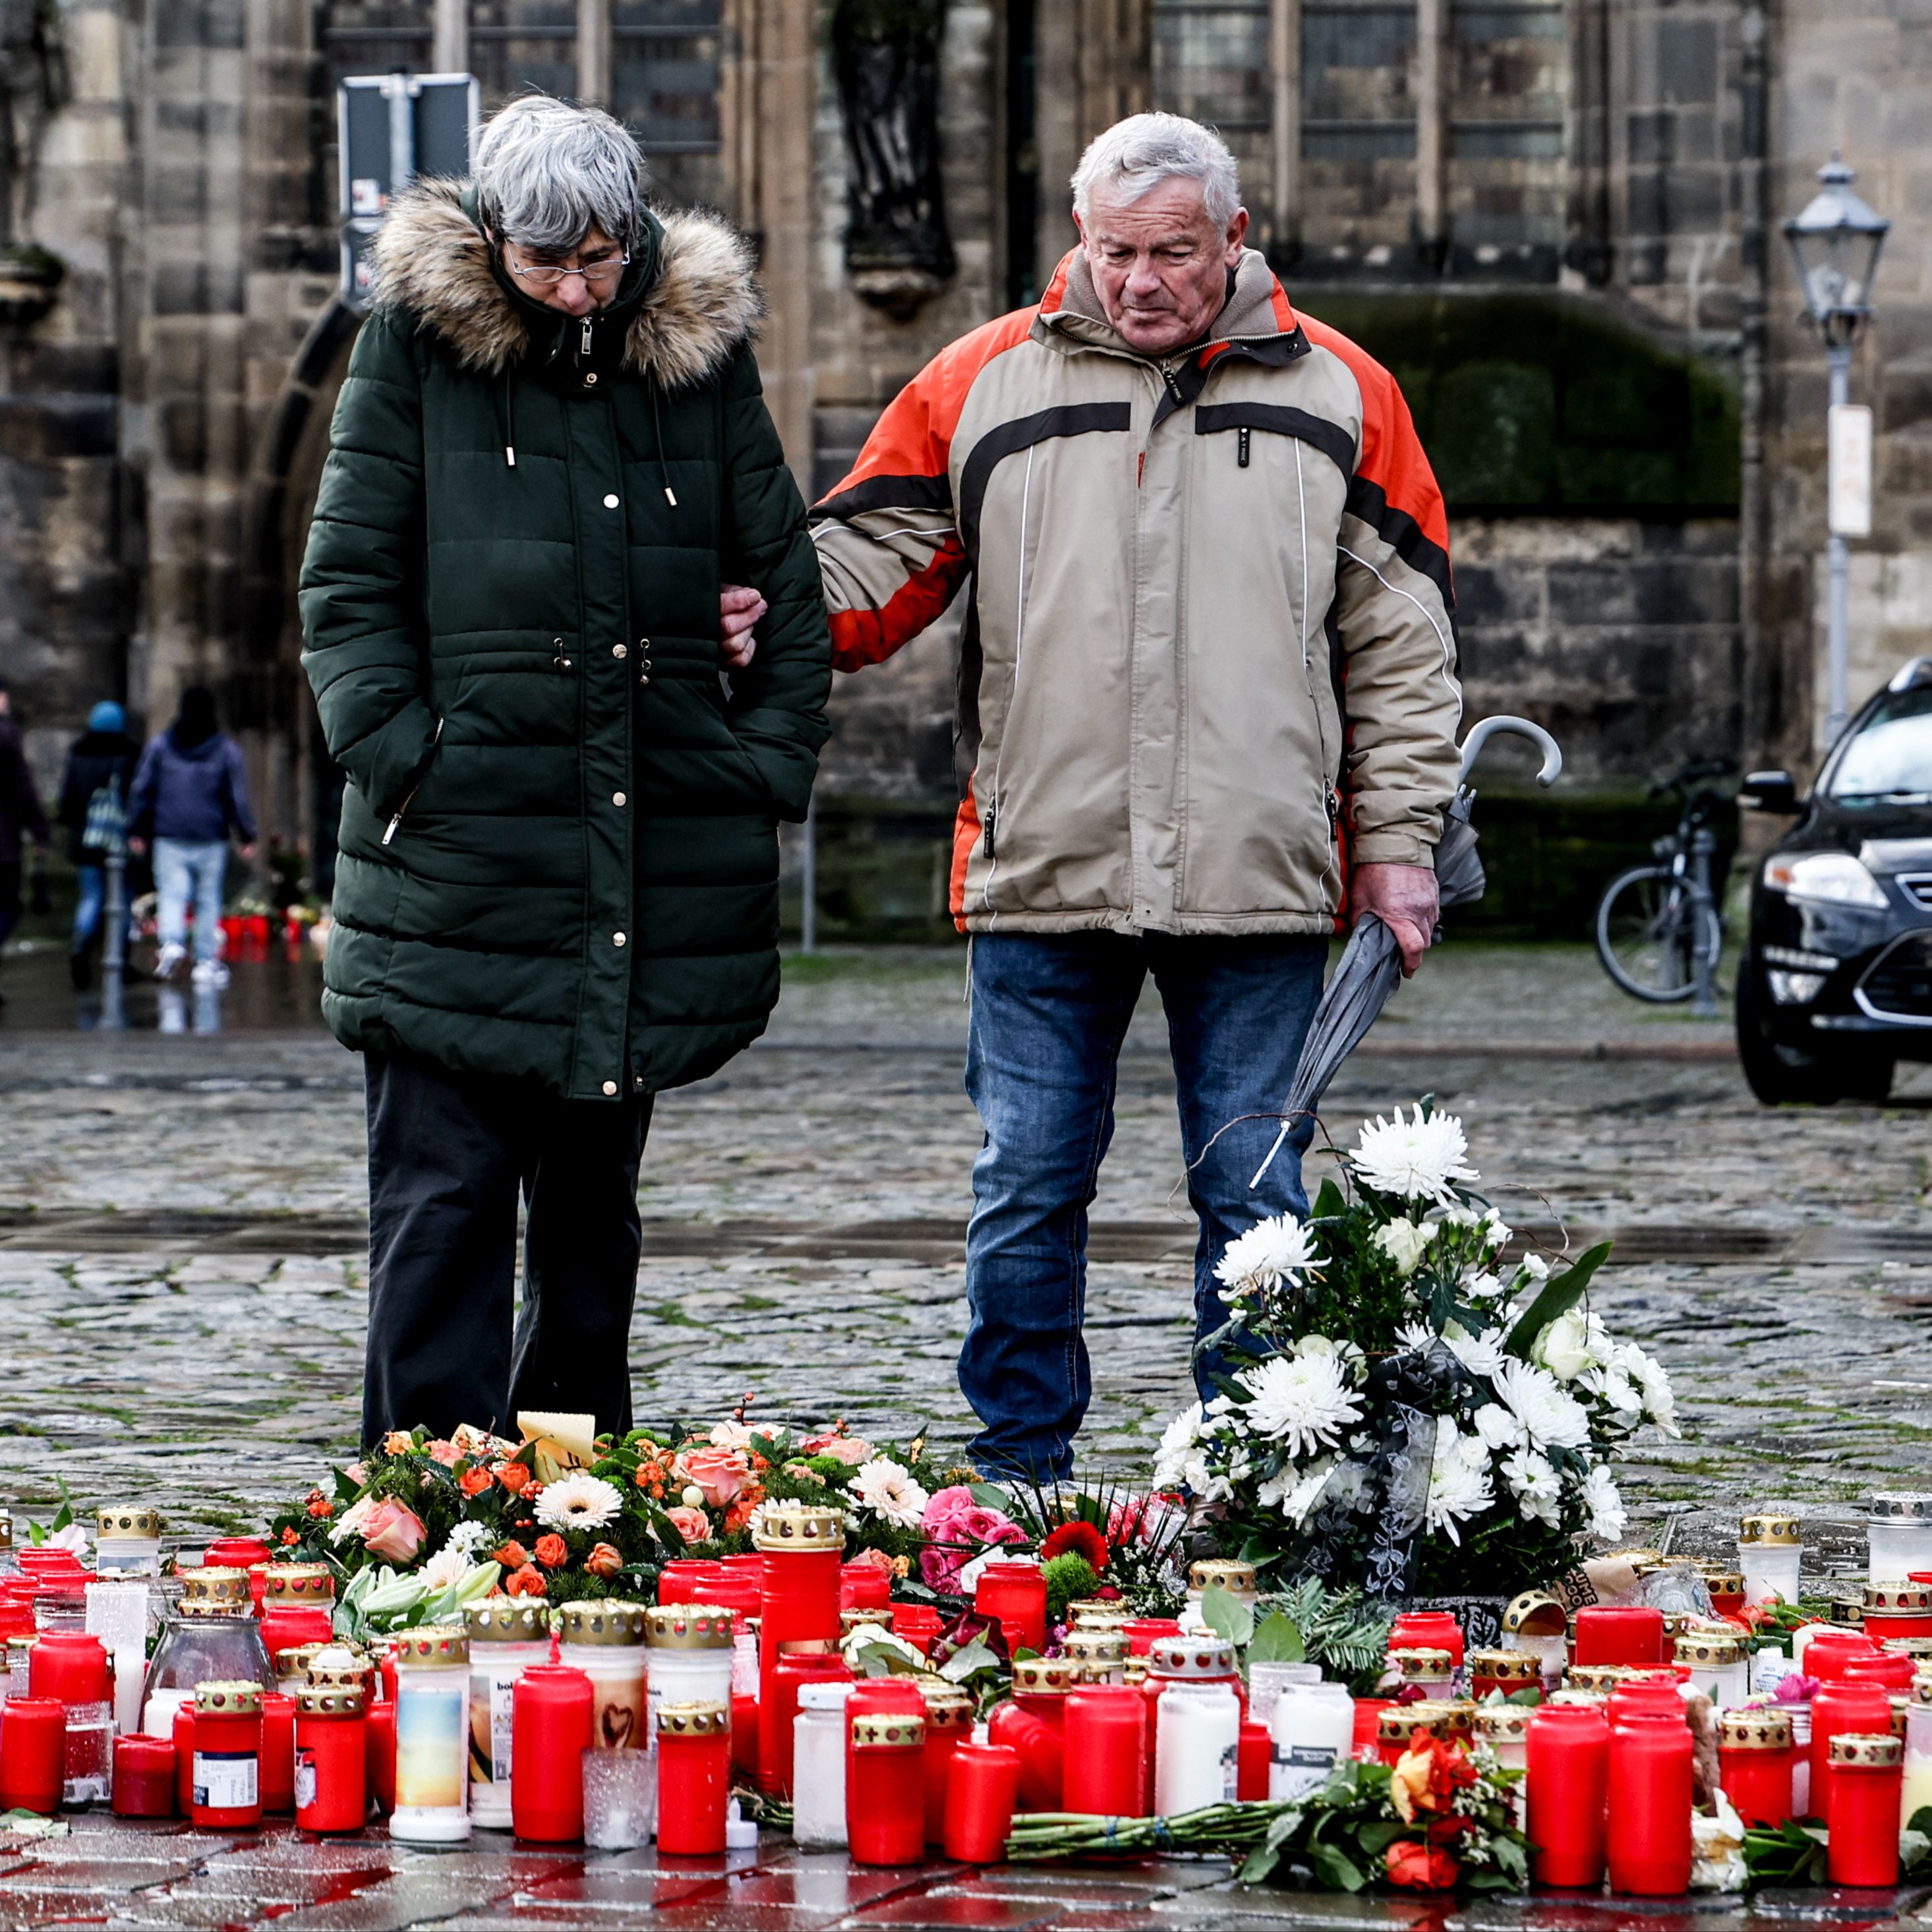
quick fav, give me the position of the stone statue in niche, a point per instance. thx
(886, 56)
(33, 87)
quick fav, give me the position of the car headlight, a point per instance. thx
(1837, 878)
(1794, 989)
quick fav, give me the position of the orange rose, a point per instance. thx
(693, 1525)
(552, 1552)
(511, 1555)
(604, 1560)
(1427, 1776)
(527, 1582)
(723, 1474)
(475, 1480)
(515, 1477)
(1420, 1867)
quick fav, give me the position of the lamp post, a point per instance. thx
(1835, 243)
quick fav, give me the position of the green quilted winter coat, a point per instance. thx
(559, 845)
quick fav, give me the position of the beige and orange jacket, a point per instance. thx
(1208, 658)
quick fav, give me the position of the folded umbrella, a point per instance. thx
(1371, 962)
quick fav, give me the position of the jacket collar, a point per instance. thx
(687, 307)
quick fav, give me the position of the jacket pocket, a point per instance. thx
(409, 797)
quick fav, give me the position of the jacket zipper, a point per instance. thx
(583, 347)
(409, 797)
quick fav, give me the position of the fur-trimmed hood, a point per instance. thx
(432, 262)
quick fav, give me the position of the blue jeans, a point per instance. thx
(187, 869)
(87, 906)
(1049, 1013)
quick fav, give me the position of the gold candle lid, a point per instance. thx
(1045, 1676)
(1754, 1728)
(1850, 1610)
(330, 1700)
(296, 1659)
(1419, 1661)
(1918, 1647)
(1864, 1751)
(1447, 1718)
(1724, 1583)
(694, 1720)
(131, 1519)
(1599, 1679)
(1574, 1693)
(1095, 1646)
(1502, 1724)
(1190, 1657)
(1883, 1599)
(687, 1627)
(1508, 1666)
(1921, 1688)
(299, 1583)
(432, 1646)
(1099, 1613)
(798, 1526)
(506, 1620)
(1234, 1576)
(358, 1674)
(1134, 1669)
(947, 1707)
(214, 1593)
(875, 1614)
(602, 1621)
(1535, 1613)
(225, 1698)
(1778, 1531)
(872, 1729)
(1707, 1651)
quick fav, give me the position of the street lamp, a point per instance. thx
(1835, 245)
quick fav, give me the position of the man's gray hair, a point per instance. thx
(547, 172)
(1144, 150)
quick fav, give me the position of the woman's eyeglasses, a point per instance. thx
(596, 274)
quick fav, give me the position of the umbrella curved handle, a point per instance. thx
(1484, 729)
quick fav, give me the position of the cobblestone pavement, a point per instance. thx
(181, 1262)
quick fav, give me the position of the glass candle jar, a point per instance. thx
(72, 1665)
(1039, 1748)
(1143, 1633)
(33, 1754)
(297, 1605)
(432, 1736)
(885, 1789)
(1507, 1671)
(1267, 1682)
(694, 1778)
(1863, 1821)
(949, 1724)
(1895, 1610)
(605, 1640)
(1624, 1633)
(554, 1720)
(1428, 1630)
(129, 1544)
(20, 1664)
(1842, 1710)
(144, 1778)
(1104, 1747)
(1754, 1755)
(620, 1797)
(227, 1789)
(1915, 1791)
(278, 1752)
(689, 1579)
(689, 1654)
(1717, 1668)
(979, 1799)
(507, 1635)
(1566, 1794)
(211, 1636)
(1648, 1817)
(818, 1766)
(331, 1764)
(1015, 1593)
(1197, 1746)
(1770, 1552)
(1313, 1729)
(1040, 1685)
(1898, 1534)
(1432, 1671)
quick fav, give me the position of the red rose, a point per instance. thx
(527, 1582)
(1079, 1539)
(604, 1560)
(552, 1552)
(475, 1480)
(514, 1476)
(1421, 1867)
(511, 1555)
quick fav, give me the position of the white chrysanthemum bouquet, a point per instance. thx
(1392, 1410)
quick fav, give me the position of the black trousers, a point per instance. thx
(447, 1153)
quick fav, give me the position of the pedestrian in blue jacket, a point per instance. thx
(190, 794)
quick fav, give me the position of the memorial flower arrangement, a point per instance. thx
(1393, 1407)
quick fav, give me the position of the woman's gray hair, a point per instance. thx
(1144, 150)
(547, 172)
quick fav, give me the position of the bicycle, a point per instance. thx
(1659, 928)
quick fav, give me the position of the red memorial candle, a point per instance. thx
(1754, 1757)
(1104, 1752)
(800, 1545)
(1867, 1775)
(1825, 1657)
(278, 1752)
(70, 1665)
(1254, 1761)
(331, 1788)
(1041, 1684)
(1015, 1593)
(1428, 1630)
(778, 1710)
(1626, 1633)
(144, 1777)
(1840, 1710)
(1038, 1747)
(1658, 1697)
(690, 1579)
(298, 1600)
(1362, 1744)
(1648, 1834)
(33, 1754)
(1565, 1789)
(184, 1744)
(919, 1623)
(948, 1724)
(864, 1586)
(693, 1778)
(552, 1720)
(885, 1789)
(378, 1745)
(227, 1756)
(1892, 1668)
(1143, 1633)
(980, 1794)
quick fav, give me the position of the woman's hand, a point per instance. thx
(739, 608)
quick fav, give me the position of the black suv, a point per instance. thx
(1836, 982)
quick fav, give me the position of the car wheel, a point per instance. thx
(1780, 1075)
(1868, 1079)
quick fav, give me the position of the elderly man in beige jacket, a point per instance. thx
(1206, 714)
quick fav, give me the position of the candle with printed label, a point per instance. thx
(432, 1804)
(507, 1635)
(227, 1791)
(1313, 1728)
(605, 1640)
(331, 1766)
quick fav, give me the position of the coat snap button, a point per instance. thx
(619, 651)
(590, 382)
(609, 502)
(617, 939)
(611, 1087)
(617, 798)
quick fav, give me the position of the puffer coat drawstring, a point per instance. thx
(657, 423)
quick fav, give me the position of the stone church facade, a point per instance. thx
(1556, 220)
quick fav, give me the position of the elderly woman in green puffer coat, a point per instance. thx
(549, 469)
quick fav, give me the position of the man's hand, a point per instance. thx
(138, 847)
(1403, 897)
(738, 609)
